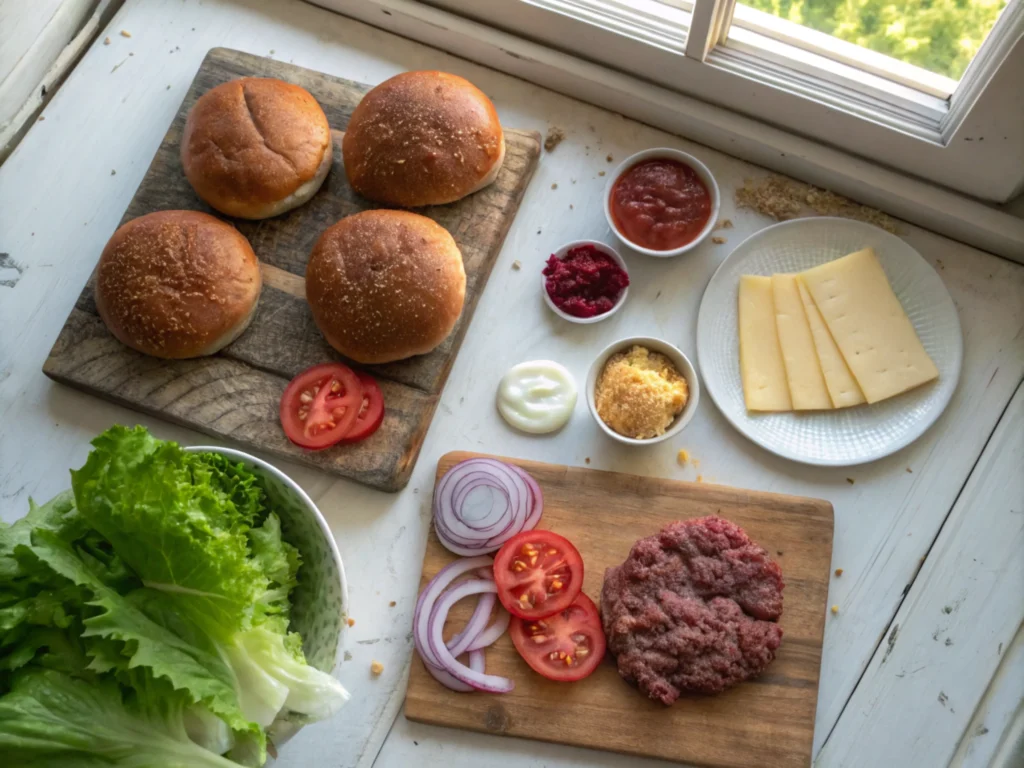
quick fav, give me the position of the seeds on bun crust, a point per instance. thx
(423, 138)
(177, 284)
(256, 147)
(385, 285)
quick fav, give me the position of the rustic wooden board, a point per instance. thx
(766, 721)
(234, 394)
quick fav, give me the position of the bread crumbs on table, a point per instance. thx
(683, 456)
(517, 265)
(724, 224)
(555, 137)
(554, 185)
(106, 41)
(835, 609)
(910, 471)
(719, 240)
(600, 173)
(700, 478)
(351, 622)
(587, 459)
(376, 668)
(850, 480)
(609, 158)
(839, 571)
(392, 604)
(125, 33)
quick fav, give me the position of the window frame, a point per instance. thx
(921, 138)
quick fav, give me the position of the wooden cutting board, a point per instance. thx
(768, 721)
(235, 394)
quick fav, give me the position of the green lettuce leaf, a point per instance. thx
(51, 719)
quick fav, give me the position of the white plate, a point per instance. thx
(850, 435)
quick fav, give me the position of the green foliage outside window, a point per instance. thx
(939, 35)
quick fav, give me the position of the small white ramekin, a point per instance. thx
(679, 360)
(669, 154)
(561, 254)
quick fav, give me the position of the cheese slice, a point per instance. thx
(842, 387)
(868, 324)
(803, 372)
(761, 366)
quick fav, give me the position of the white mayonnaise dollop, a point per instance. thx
(537, 396)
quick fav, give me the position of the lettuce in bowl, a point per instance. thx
(145, 616)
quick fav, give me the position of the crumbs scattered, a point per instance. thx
(517, 265)
(850, 480)
(609, 158)
(587, 459)
(41, 118)
(778, 552)
(700, 478)
(724, 224)
(949, 641)
(106, 41)
(943, 698)
(839, 571)
(351, 622)
(555, 137)
(683, 456)
(376, 668)
(947, 609)
(392, 604)
(348, 655)
(113, 172)
(538, 230)
(125, 33)
(910, 471)
(718, 240)
(600, 173)
(570, 206)
(554, 185)
(835, 609)
(782, 198)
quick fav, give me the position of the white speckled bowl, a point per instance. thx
(679, 360)
(320, 601)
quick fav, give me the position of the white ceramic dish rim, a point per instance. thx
(678, 358)
(237, 455)
(675, 154)
(560, 254)
(897, 445)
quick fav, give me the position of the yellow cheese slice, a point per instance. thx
(761, 366)
(842, 387)
(803, 372)
(869, 326)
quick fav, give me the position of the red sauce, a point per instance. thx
(586, 283)
(660, 204)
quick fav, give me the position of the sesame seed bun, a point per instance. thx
(423, 138)
(177, 284)
(385, 285)
(256, 147)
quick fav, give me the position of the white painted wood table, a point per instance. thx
(924, 661)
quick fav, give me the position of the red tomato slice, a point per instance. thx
(320, 405)
(538, 573)
(565, 647)
(371, 412)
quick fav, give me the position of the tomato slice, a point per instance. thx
(538, 573)
(320, 405)
(371, 412)
(565, 647)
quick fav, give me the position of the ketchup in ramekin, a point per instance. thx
(660, 204)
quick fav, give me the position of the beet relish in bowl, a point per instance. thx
(661, 202)
(585, 281)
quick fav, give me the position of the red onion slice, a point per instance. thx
(429, 595)
(435, 638)
(492, 633)
(474, 627)
(481, 503)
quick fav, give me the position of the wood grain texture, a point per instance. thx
(246, 379)
(766, 721)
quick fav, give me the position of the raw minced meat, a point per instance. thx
(693, 608)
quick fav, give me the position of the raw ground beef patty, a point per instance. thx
(693, 608)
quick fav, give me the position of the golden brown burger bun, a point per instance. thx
(256, 147)
(177, 284)
(423, 138)
(385, 285)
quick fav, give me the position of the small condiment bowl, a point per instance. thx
(561, 253)
(678, 359)
(668, 154)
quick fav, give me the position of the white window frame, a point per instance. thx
(864, 111)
